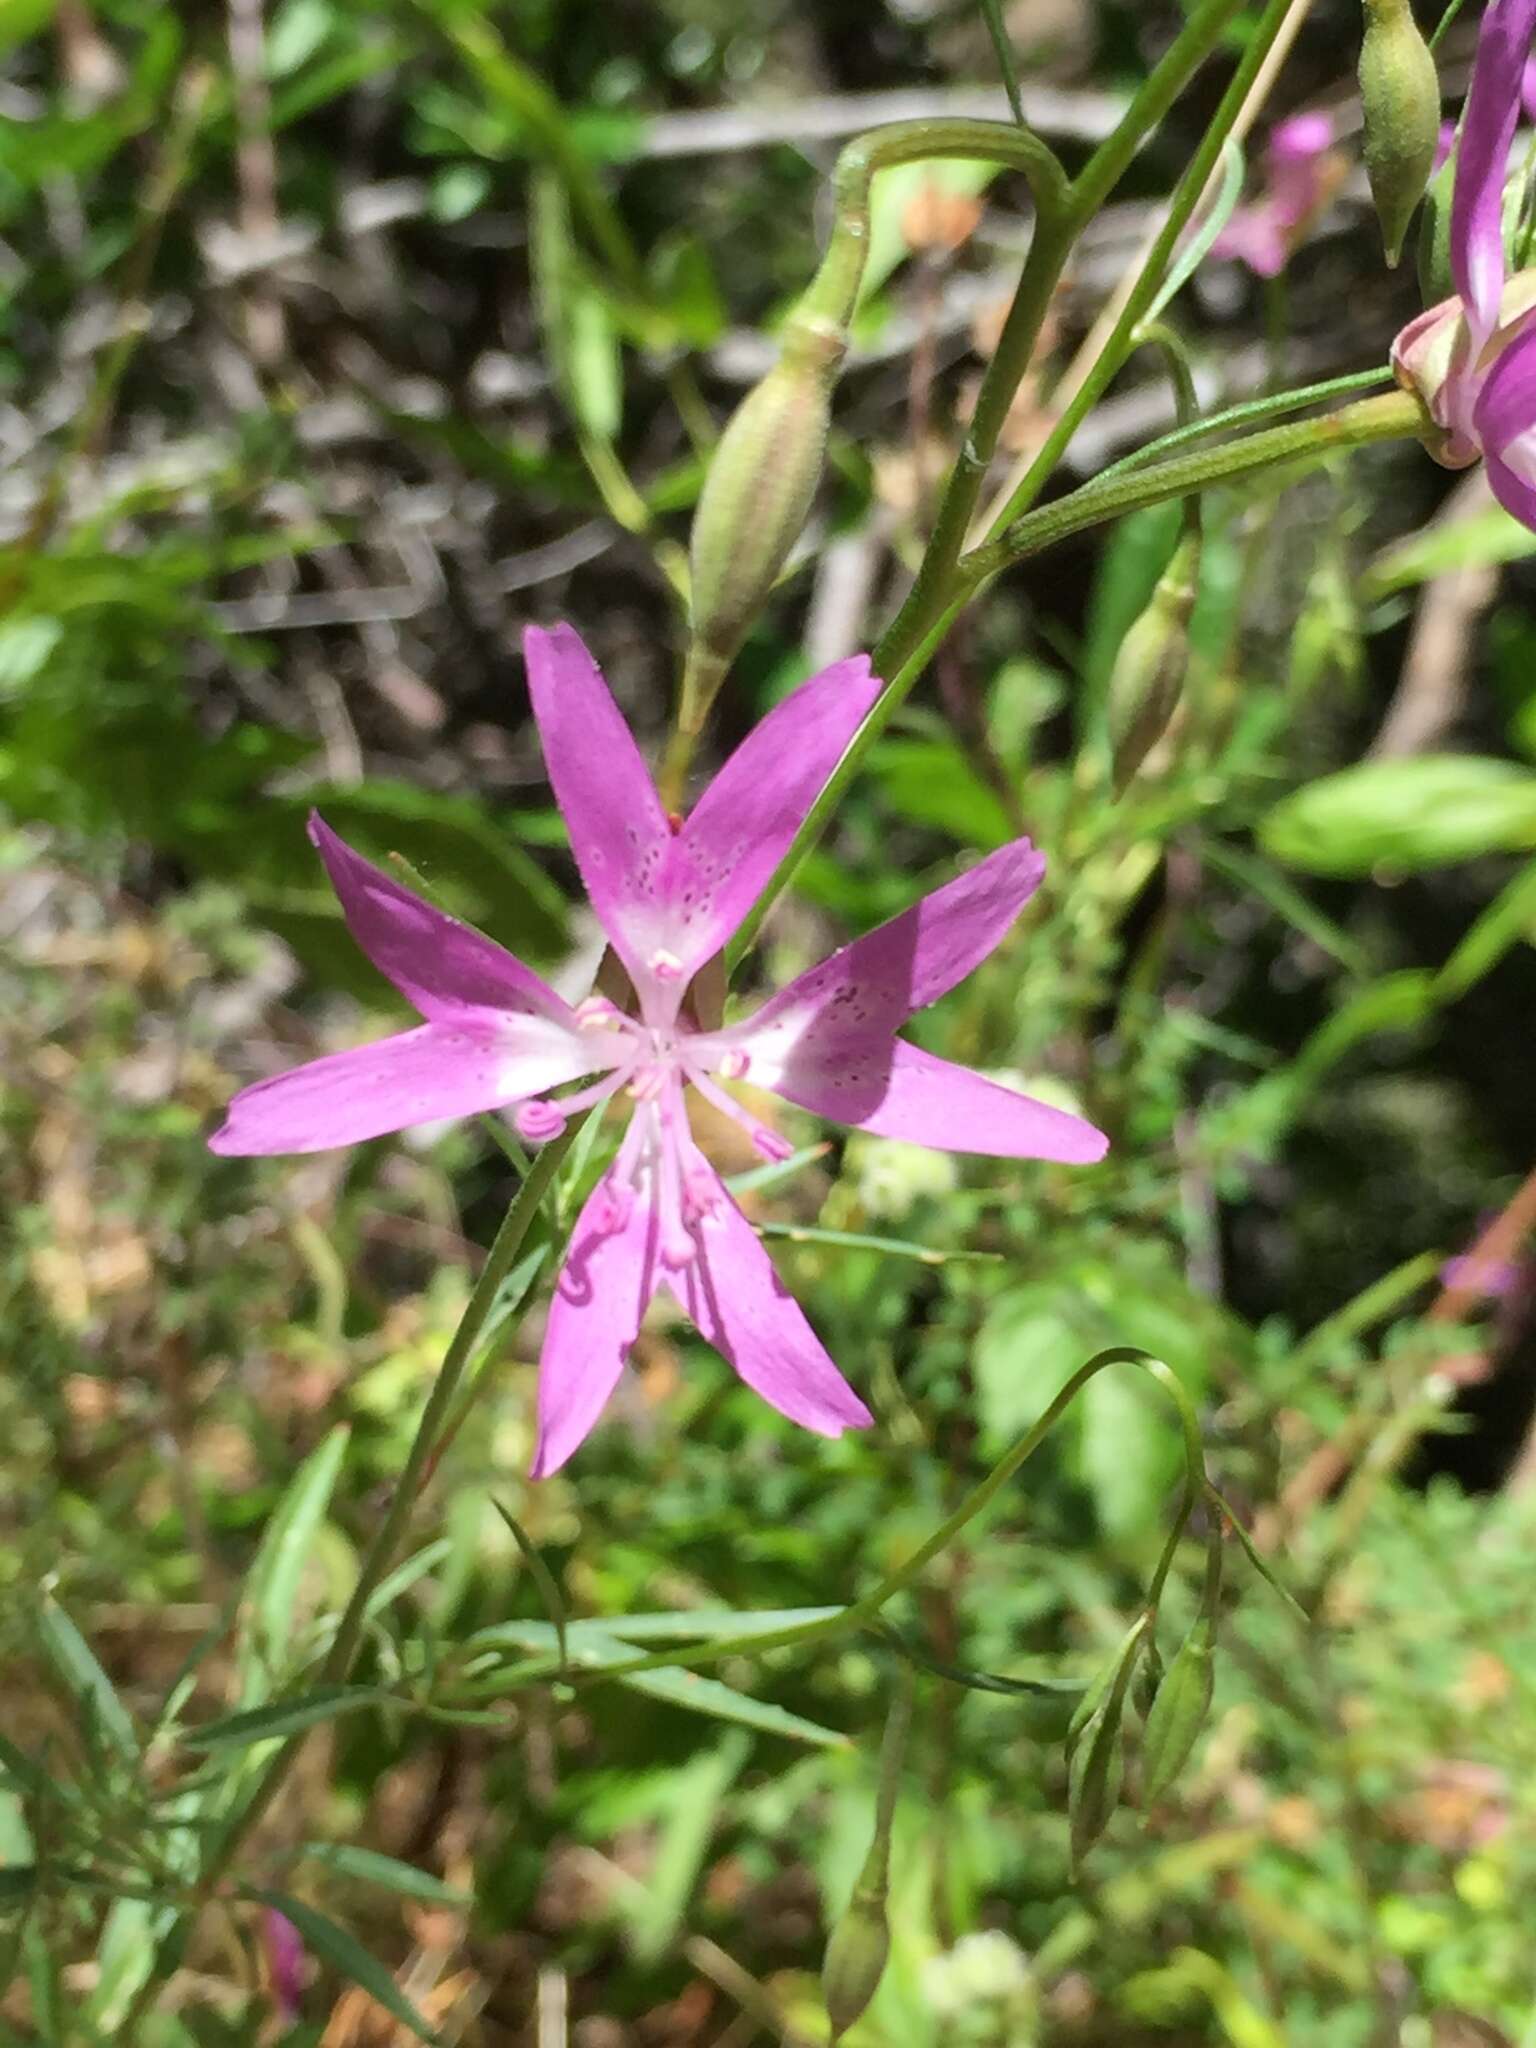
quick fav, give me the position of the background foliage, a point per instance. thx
(338, 341)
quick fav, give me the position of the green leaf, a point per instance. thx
(285, 1717)
(71, 1657)
(370, 1867)
(1199, 245)
(25, 647)
(892, 1247)
(27, 1775)
(17, 1881)
(592, 1645)
(893, 191)
(708, 1624)
(1408, 815)
(1482, 539)
(273, 1587)
(347, 1956)
(543, 1578)
(694, 1797)
(20, 19)
(1509, 919)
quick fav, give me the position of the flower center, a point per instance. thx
(656, 1164)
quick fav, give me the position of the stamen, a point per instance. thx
(538, 1121)
(666, 966)
(543, 1119)
(677, 1245)
(596, 1013)
(733, 1065)
(768, 1143)
(648, 1084)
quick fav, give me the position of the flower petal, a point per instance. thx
(1487, 130)
(739, 1304)
(1505, 425)
(869, 988)
(437, 1070)
(896, 1090)
(620, 836)
(611, 1271)
(445, 968)
(742, 825)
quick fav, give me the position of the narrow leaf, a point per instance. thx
(285, 1717)
(543, 1578)
(71, 1657)
(273, 1587)
(371, 1868)
(591, 1646)
(347, 1956)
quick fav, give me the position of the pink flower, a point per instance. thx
(1472, 358)
(1297, 186)
(669, 896)
(285, 1963)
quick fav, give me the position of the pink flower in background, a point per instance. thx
(669, 896)
(1297, 185)
(1472, 358)
(284, 1952)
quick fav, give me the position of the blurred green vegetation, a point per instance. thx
(338, 340)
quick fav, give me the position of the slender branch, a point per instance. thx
(1138, 299)
(1392, 416)
(863, 1611)
(1396, 415)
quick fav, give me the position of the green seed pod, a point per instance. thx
(1400, 94)
(762, 479)
(1179, 1710)
(1147, 680)
(857, 1951)
(1095, 1744)
(1095, 1775)
(1149, 1677)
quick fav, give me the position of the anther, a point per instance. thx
(538, 1121)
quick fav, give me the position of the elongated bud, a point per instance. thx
(1400, 94)
(1147, 680)
(1183, 1701)
(1096, 1745)
(1178, 1712)
(1150, 1674)
(857, 1952)
(859, 1946)
(762, 479)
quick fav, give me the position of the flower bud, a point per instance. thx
(857, 1950)
(1178, 1712)
(1400, 95)
(762, 478)
(1147, 680)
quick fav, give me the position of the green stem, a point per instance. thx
(833, 293)
(1392, 416)
(380, 1553)
(1396, 415)
(864, 1610)
(1187, 196)
(1055, 235)
(1168, 78)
